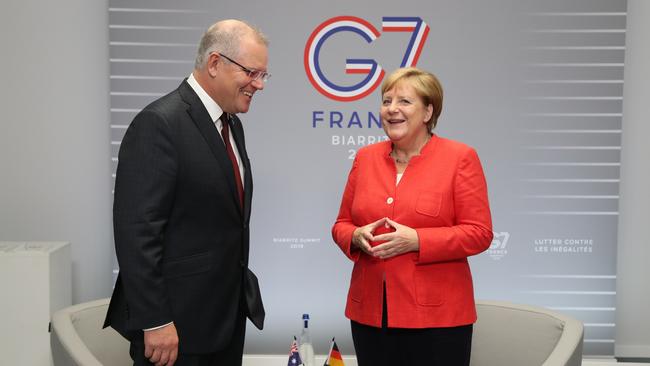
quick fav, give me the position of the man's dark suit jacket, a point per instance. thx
(181, 237)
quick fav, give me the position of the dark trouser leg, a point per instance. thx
(431, 346)
(369, 344)
(405, 347)
(232, 354)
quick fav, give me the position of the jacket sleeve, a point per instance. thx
(144, 192)
(344, 227)
(471, 232)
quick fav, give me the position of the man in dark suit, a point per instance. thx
(182, 207)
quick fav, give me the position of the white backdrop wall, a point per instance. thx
(633, 292)
(55, 183)
(535, 86)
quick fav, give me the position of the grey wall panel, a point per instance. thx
(535, 86)
(54, 184)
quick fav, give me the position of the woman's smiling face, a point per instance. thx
(403, 114)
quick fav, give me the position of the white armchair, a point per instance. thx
(77, 337)
(508, 334)
(505, 334)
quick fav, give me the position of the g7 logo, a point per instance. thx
(500, 240)
(374, 73)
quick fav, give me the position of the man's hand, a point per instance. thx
(161, 345)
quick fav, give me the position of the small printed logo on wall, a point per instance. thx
(296, 242)
(563, 246)
(373, 72)
(498, 249)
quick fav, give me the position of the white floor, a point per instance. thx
(275, 360)
(612, 362)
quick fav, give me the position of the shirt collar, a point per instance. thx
(213, 108)
(426, 149)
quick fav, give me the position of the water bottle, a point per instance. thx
(306, 348)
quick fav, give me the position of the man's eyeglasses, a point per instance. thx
(252, 73)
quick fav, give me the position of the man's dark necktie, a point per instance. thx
(225, 133)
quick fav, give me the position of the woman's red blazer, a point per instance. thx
(443, 196)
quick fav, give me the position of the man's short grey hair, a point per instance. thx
(226, 39)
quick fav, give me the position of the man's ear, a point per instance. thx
(212, 64)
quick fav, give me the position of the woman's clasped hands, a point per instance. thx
(402, 239)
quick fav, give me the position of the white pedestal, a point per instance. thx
(34, 282)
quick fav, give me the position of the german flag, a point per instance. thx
(334, 358)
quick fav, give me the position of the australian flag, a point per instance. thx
(294, 356)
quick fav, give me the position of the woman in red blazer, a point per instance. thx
(414, 208)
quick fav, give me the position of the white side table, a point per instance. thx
(35, 281)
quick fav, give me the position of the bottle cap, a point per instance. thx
(305, 316)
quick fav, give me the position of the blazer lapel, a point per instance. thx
(204, 123)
